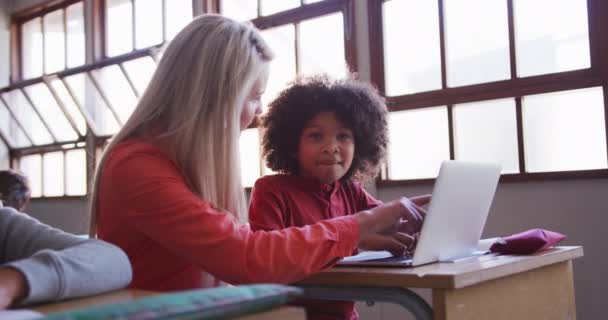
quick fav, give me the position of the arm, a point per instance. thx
(158, 203)
(57, 265)
(266, 210)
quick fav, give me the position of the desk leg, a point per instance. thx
(544, 293)
(402, 296)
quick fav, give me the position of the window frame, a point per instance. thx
(95, 58)
(594, 76)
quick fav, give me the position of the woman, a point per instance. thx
(168, 188)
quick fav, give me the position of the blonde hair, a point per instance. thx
(193, 105)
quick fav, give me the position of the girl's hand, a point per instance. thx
(13, 287)
(380, 227)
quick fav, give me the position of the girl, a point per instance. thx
(168, 191)
(322, 136)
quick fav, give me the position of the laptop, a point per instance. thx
(457, 213)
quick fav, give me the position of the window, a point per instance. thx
(482, 80)
(56, 173)
(137, 24)
(53, 41)
(58, 97)
(308, 38)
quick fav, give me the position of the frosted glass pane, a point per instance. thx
(75, 34)
(119, 27)
(240, 10)
(487, 132)
(477, 41)
(148, 23)
(47, 106)
(31, 52)
(73, 111)
(140, 71)
(11, 130)
(250, 156)
(102, 120)
(322, 46)
(412, 61)
(76, 174)
(559, 43)
(28, 118)
(54, 42)
(178, 15)
(565, 131)
(31, 166)
(283, 67)
(419, 142)
(53, 178)
(116, 88)
(273, 6)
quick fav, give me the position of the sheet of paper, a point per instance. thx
(368, 255)
(19, 315)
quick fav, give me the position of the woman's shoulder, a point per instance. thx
(133, 158)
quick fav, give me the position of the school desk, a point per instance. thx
(538, 286)
(284, 312)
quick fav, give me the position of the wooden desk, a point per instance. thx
(538, 286)
(288, 313)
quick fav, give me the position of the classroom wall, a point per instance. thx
(577, 208)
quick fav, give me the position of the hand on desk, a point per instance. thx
(13, 287)
(390, 227)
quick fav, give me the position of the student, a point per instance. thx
(168, 189)
(14, 189)
(41, 264)
(324, 137)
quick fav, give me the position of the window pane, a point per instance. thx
(75, 35)
(178, 15)
(477, 41)
(119, 27)
(322, 46)
(250, 156)
(74, 112)
(419, 142)
(240, 10)
(565, 130)
(31, 166)
(273, 6)
(410, 68)
(54, 42)
(487, 132)
(30, 121)
(148, 22)
(116, 88)
(76, 176)
(31, 53)
(140, 71)
(47, 106)
(10, 130)
(4, 156)
(283, 67)
(559, 43)
(102, 119)
(53, 178)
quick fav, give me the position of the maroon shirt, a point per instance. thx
(281, 201)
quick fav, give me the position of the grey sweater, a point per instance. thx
(58, 265)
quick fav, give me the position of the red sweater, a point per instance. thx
(173, 237)
(282, 201)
